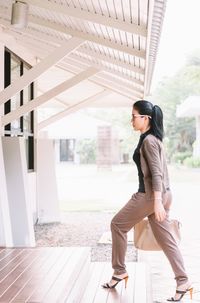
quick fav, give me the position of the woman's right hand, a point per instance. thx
(159, 210)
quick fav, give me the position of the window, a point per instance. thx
(24, 126)
(67, 147)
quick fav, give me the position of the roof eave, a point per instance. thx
(155, 23)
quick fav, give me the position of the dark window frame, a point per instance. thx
(7, 106)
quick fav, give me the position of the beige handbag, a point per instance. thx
(144, 238)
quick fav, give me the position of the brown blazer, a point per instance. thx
(154, 166)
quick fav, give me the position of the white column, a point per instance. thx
(18, 191)
(47, 195)
(57, 150)
(5, 222)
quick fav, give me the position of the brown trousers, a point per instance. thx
(137, 208)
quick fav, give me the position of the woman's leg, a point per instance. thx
(167, 242)
(134, 211)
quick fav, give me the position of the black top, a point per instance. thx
(136, 159)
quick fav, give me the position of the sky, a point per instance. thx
(180, 35)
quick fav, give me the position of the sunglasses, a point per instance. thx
(142, 116)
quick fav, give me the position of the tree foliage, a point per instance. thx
(170, 92)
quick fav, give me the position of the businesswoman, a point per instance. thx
(152, 200)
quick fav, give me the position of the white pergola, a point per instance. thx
(83, 52)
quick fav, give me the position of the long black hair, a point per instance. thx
(156, 116)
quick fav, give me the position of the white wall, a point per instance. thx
(47, 195)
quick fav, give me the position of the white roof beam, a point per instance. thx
(111, 60)
(36, 35)
(91, 17)
(84, 63)
(28, 42)
(64, 104)
(19, 50)
(102, 67)
(39, 69)
(22, 110)
(32, 33)
(57, 41)
(70, 67)
(115, 88)
(33, 43)
(81, 60)
(35, 50)
(88, 37)
(40, 54)
(72, 109)
(121, 82)
(101, 82)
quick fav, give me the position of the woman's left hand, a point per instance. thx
(159, 210)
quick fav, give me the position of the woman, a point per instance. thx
(152, 200)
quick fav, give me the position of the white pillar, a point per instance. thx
(196, 150)
(18, 191)
(47, 195)
(57, 150)
(5, 222)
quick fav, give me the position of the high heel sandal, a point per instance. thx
(181, 293)
(107, 285)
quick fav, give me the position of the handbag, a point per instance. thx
(144, 238)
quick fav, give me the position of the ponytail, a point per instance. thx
(157, 122)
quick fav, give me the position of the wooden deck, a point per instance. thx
(62, 274)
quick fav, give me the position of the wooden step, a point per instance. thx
(43, 274)
(66, 275)
(138, 288)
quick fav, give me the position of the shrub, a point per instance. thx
(179, 157)
(86, 149)
(192, 162)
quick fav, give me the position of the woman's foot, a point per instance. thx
(181, 290)
(115, 280)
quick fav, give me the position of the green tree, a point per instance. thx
(170, 92)
(86, 149)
